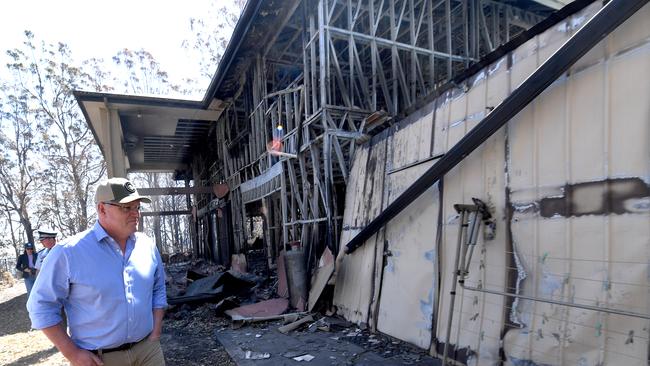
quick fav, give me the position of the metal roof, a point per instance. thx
(160, 134)
(154, 134)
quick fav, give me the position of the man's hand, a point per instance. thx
(81, 357)
(74, 354)
(154, 336)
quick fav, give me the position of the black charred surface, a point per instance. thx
(605, 197)
(461, 355)
(512, 273)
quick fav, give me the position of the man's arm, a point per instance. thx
(158, 315)
(74, 354)
(159, 298)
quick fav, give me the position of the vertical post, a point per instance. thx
(312, 58)
(192, 218)
(322, 55)
(327, 166)
(466, 33)
(283, 205)
(306, 63)
(351, 52)
(413, 37)
(373, 57)
(448, 18)
(462, 227)
(432, 46)
(394, 54)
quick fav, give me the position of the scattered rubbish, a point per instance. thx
(304, 358)
(320, 324)
(239, 321)
(250, 355)
(321, 276)
(228, 303)
(292, 326)
(238, 263)
(290, 318)
(297, 278)
(214, 288)
(261, 309)
(292, 354)
(283, 285)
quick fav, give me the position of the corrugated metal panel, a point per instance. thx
(569, 182)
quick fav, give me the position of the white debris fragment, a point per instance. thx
(304, 358)
(250, 355)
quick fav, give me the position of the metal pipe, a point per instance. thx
(461, 225)
(556, 302)
(606, 20)
(387, 42)
(471, 243)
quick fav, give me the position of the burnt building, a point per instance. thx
(479, 169)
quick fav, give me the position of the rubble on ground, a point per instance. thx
(251, 316)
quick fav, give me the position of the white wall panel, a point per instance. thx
(355, 274)
(568, 181)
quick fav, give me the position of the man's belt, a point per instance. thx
(124, 347)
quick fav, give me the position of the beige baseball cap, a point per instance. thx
(118, 190)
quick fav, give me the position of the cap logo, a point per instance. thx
(129, 187)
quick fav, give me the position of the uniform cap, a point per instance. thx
(45, 233)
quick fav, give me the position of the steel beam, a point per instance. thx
(169, 191)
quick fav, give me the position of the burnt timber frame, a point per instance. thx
(334, 73)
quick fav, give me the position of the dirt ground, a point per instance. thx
(185, 341)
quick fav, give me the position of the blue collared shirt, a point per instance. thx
(108, 297)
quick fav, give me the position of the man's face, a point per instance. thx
(119, 219)
(48, 242)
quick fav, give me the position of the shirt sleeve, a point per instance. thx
(159, 292)
(49, 291)
(39, 260)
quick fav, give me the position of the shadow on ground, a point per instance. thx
(15, 317)
(33, 358)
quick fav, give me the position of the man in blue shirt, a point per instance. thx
(111, 283)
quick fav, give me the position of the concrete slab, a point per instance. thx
(265, 345)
